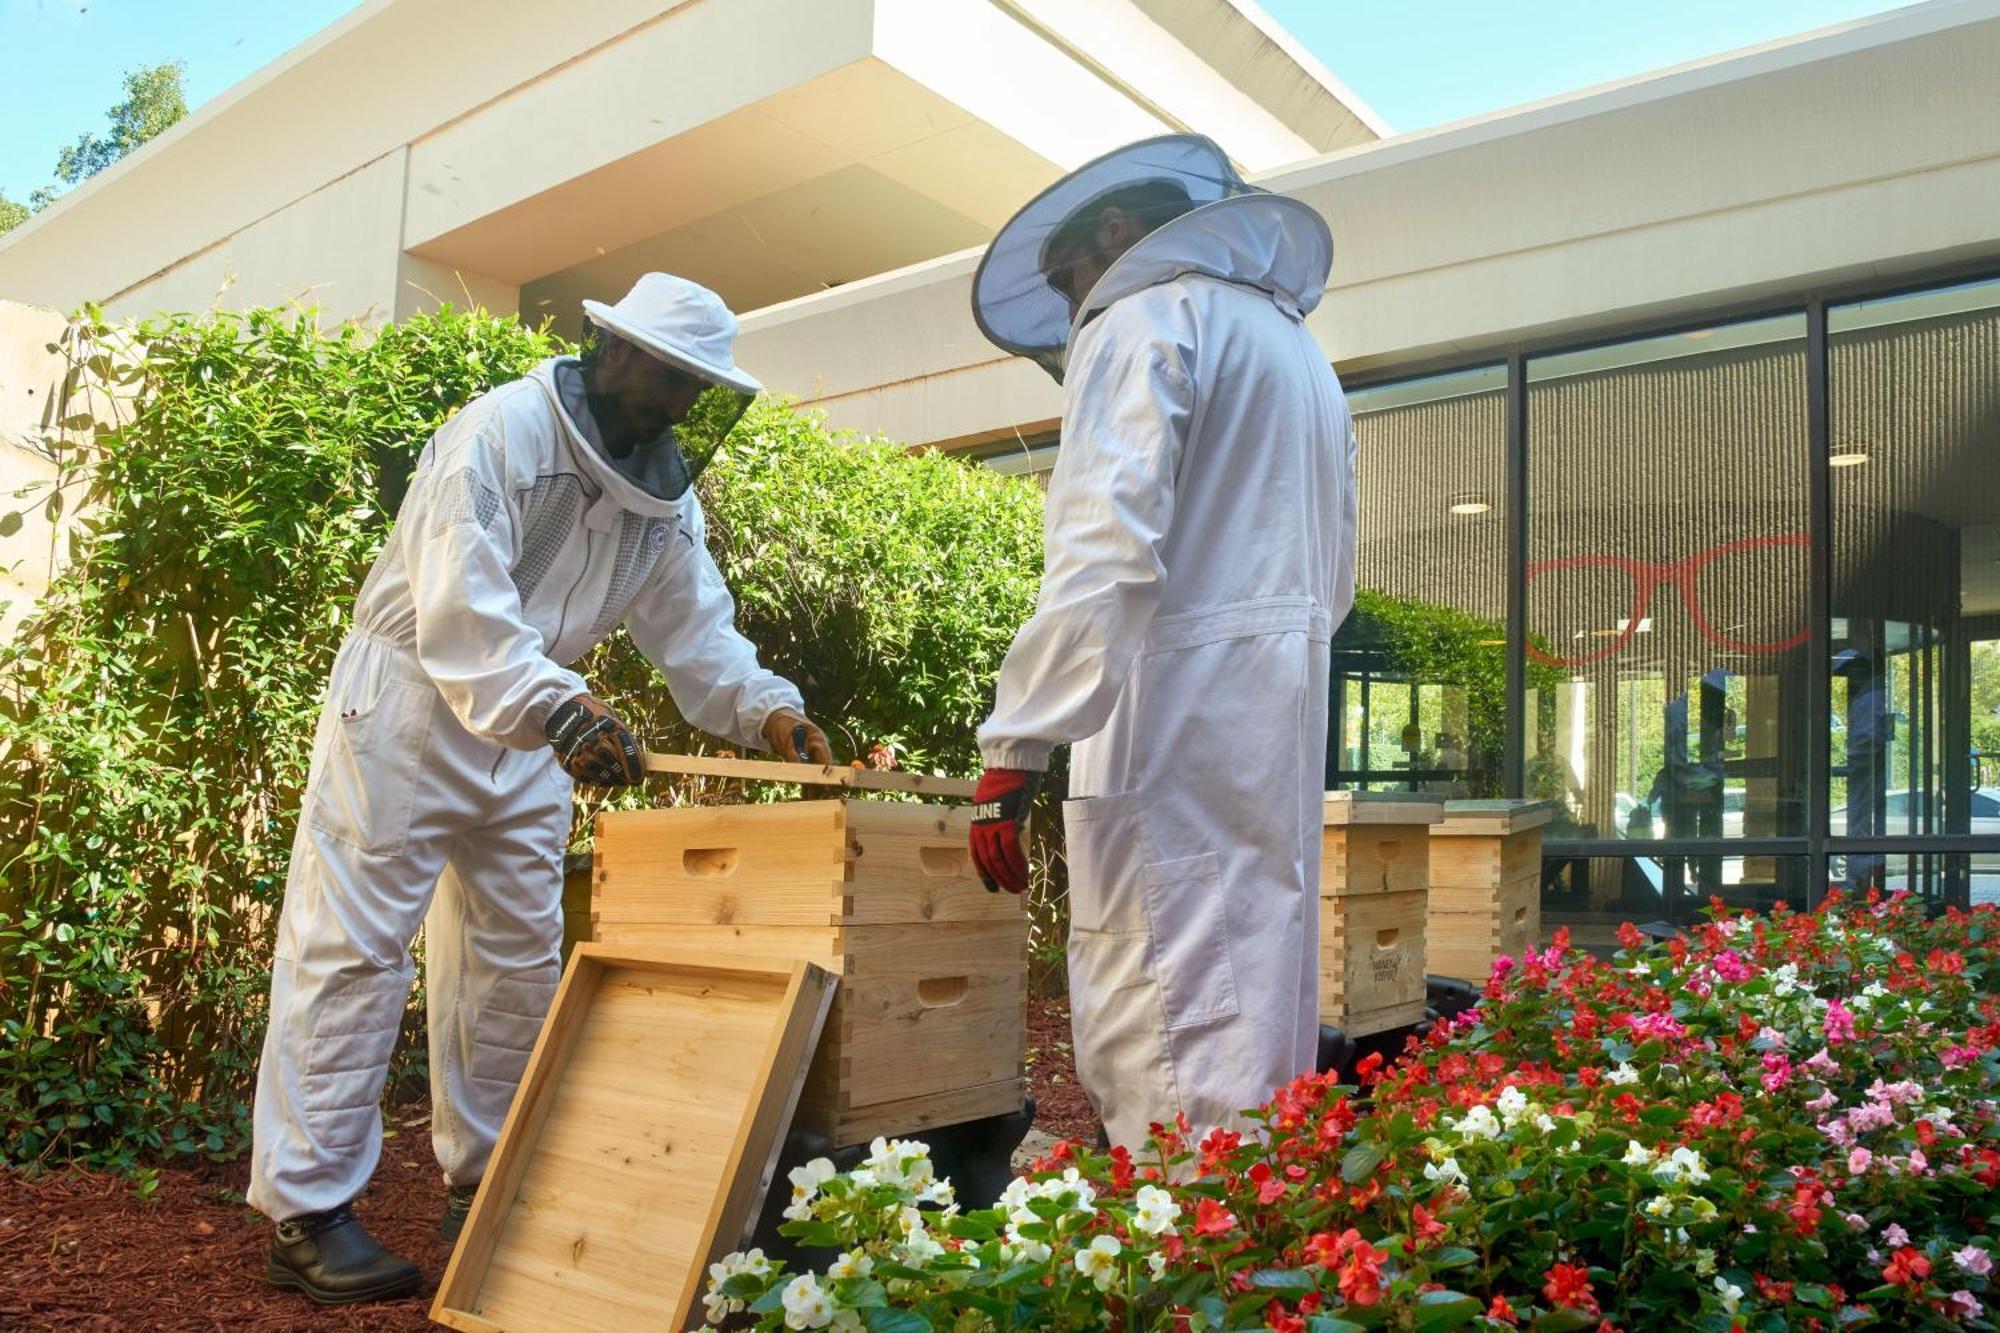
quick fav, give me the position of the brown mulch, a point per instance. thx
(79, 1250)
(1060, 1106)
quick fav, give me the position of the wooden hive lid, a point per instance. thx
(641, 1142)
(1493, 818)
(1385, 807)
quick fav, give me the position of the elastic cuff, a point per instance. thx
(1030, 756)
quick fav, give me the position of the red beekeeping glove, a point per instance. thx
(999, 813)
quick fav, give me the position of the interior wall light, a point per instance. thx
(1468, 504)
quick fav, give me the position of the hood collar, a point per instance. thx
(1268, 241)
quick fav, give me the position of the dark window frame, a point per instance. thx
(1818, 843)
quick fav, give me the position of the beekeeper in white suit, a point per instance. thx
(539, 519)
(1200, 553)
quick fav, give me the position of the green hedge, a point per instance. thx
(157, 709)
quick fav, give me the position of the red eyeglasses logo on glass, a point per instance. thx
(1685, 574)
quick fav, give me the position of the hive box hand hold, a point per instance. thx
(640, 1143)
(929, 1026)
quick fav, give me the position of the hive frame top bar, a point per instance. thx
(1355, 807)
(810, 775)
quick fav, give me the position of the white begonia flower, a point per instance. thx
(1545, 1123)
(1512, 1104)
(1682, 1166)
(1636, 1153)
(1478, 1123)
(1448, 1171)
(1704, 1211)
(922, 1246)
(1785, 979)
(806, 1306)
(1731, 1294)
(812, 1175)
(847, 1321)
(1704, 1263)
(1098, 1261)
(719, 1307)
(1681, 1235)
(1156, 1263)
(852, 1263)
(1157, 1211)
(1623, 1074)
(1016, 1249)
(1659, 1206)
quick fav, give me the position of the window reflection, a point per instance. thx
(1420, 666)
(1667, 593)
(1914, 414)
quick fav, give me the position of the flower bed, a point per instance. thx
(1779, 1122)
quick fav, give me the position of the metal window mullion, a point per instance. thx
(1514, 757)
(1819, 658)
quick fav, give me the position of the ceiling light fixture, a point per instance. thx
(1852, 459)
(1469, 504)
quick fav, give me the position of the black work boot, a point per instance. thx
(457, 1204)
(332, 1258)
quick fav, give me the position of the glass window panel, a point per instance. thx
(1592, 895)
(1668, 588)
(1941, 879)
(1914, 414)
(1420, 667)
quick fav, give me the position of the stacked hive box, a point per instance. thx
(1374, 874)
(929, 1019)
(1486, 896)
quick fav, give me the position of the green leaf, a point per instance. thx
(1360, 1162)
(1562, 1321)
(1288, 1281)
(1439, 1310)
(895, 1321)
(1451, 1256)
(1326, 1323)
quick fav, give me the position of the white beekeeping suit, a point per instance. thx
(520, 546)
(1200, 554)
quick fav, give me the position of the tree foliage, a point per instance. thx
(155, 101)
(157, 710)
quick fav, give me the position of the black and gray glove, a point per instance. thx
(593, 746)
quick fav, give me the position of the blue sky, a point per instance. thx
(1417, 62)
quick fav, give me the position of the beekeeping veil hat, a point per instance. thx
(1015, 297)
(687, 327)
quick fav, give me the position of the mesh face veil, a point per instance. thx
(1024, 295)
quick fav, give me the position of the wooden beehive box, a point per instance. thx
(1374, 872)
(1486, 878)
(929, 1020)
(644, 1135)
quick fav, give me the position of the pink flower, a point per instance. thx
(1958, 1057)
(1905, 1093)
(1973, 1260)
(1839, 1023)
(1840, 1132)
(1771, 1036)
(1895, 1237)
(1824, 1102)
(1855, 1222)
(1963, 1304)
(1729, 965)
(1777, 1070)
(1859, 1161)
(1920, 1165)
(1503, 965)
(1823, 1064)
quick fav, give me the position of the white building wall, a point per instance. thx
(1857, 153)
